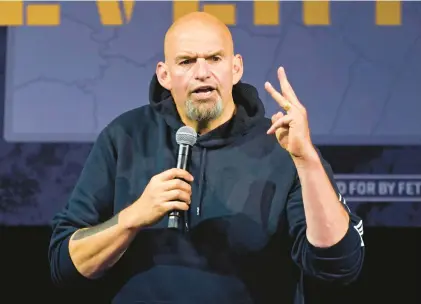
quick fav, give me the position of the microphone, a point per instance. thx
(186, 138)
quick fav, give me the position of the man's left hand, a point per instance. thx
(291, 129)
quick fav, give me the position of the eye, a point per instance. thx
(187, 61)
(215, 58)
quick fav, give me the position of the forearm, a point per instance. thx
(96, 249)
(326, 218)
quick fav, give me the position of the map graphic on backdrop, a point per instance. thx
(354, 77)
(359, 82)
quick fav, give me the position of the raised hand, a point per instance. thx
(291, 129)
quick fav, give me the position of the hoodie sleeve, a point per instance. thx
(341, 262)
(90, 203)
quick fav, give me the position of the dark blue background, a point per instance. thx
(392, 267)
(33, 174)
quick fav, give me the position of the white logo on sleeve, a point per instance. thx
(360, 229)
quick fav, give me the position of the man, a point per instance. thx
(262, 208)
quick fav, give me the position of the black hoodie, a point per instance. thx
(246, 241)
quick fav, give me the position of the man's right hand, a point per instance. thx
(96, 249)
(164, 193)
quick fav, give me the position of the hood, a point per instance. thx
(250, 111)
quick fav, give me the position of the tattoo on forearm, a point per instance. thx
(96, 229)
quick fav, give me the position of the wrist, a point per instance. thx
(308, 159)
(129, 219)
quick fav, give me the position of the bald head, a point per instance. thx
(200, 69)
(199, 23)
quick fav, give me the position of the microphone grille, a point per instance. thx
(186, 135)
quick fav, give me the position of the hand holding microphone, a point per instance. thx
(168, 192)
(164, 193)
(186, 138)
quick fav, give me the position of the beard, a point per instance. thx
(203, 111)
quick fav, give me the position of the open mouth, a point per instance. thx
(207, 89)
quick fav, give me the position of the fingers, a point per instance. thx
(176, 189)
(281, 100)
(175, 173)
(175, 205)
(287, 89)
(282, 122)
(176, 184)
(285, 85)
(276, 116)
(177, 195)
(277, 96)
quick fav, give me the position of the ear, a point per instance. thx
(237, 68)
(163, 75)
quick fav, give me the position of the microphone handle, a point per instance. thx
(174, 220)
(183, 153)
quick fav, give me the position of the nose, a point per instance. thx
(202, 70)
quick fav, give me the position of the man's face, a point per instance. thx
(202, 70)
